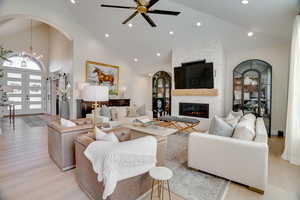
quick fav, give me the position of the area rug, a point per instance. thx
(36, 121)
(188, 183)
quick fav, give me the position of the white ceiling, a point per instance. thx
(228, 21)
(273, 17)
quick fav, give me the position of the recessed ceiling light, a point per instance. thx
(245, 2)
(107, 35)
(171, 32)
(73, 1)
(130, 25)
(158, 54)
(199, 24)
(250, 34)
(136, 60)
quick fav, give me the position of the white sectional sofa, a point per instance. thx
(245, 162)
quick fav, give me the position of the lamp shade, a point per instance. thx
(95, 93)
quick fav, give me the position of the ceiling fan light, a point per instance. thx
(171, 32)
(130, 25)
(136, 60)
(245, 2)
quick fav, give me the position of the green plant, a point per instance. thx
(4, 53)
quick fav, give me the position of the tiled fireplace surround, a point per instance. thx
(212, 51)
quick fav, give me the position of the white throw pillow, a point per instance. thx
(110, 137)
(245, 130)
(67, 123)
(99, 134)
(238, 114)
(244, 133)
(249, 116)
(221, 127)
(232, 120)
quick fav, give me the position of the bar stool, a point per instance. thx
(162, 175)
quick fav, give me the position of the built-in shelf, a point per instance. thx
(195, 92)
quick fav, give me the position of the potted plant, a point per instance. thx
(4, 53)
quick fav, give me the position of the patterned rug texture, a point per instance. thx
(188, 183)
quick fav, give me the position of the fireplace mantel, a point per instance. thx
(195, 92)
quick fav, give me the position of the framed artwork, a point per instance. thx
(104, 75)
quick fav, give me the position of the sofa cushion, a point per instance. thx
(232, 120)
(110, 137)
(67, 123)
(221, 127)
(245, 130)
(105, 111)
(238, 114)
(141, 111)
(114, 114)
(99, 134)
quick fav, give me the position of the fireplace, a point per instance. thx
(194, 110)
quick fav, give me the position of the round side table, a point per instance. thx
(161, 175)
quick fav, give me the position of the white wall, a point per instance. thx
(60, 52)
(86, 47)
(212, 51)
(20, 41)
(142, 83)
(279, 59)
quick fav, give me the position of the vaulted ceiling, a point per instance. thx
(228, 21)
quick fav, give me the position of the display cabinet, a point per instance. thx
(252, 89)
(161, 94)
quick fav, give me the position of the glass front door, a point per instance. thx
(26, 91)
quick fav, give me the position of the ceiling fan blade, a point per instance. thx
(112, 6)
(149, 20)
(151, 3)
(130, 17)
(164, 12)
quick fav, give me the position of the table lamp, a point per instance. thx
(95, 94)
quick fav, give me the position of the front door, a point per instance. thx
(27, 91)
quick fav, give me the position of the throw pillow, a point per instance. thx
(232, 120)
(237, 114)
(244, 133)
(141, 111)
(111, 137)
(67, 123)
(245, 130)
(105, 111)
(221, 127)
(249, 116)
(114, 114)
(99, 134)
(132, 111)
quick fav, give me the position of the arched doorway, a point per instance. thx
(23, 75)
(252, 89)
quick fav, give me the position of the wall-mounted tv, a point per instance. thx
(194, 75)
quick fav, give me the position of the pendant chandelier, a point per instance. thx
(31, 52)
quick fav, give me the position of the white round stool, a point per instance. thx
(162, 175)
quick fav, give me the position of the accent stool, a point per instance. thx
(162, 175)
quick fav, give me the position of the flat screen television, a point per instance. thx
(194, 75)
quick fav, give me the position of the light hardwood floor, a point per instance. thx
(27, 173)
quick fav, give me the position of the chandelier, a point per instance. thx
(31, 53)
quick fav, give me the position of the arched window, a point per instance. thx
(22, 62)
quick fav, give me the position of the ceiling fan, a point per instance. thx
(143, 8)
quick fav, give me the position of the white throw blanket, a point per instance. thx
(114, 162)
